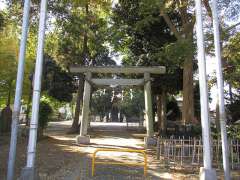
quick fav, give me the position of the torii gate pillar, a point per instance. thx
(148, 140)
(148, 105)
(83, 138)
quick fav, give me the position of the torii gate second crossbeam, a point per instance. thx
(83, 138)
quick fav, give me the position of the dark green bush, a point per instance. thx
(45, 112)
(233, 131)
(233, 110)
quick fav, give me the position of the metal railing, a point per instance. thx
(143, 152)
(189, 152)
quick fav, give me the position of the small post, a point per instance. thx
(199, 146)
(93, 163)
(193, 152)
(238, 147)
(217, 156)
(175, 146)
(145, 164)
(28, 171)
(181, 152)
(232, 153)
(158, 148)
(18, 92)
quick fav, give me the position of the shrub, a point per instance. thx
(233, 131)
(45, 112)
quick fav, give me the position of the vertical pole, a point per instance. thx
(220, 84)
(158, 148)
(18, 92)
(36, 94)
(163, 112)
(206, 172)
(148, 104)
(86, 102)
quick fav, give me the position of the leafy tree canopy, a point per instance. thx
(232, 57)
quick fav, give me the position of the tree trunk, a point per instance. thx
(6, 120)
(75, 125)
(161, 113)
(217, 120)
(159, 110)
(9, 97)
(188, 106)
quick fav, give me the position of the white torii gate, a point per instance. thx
(28, 172)
(146, 81)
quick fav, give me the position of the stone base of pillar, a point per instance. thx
(150, 142)
(29, 174)
(83, 139)
(207, 174)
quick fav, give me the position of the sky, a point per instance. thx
(114, 2)
(2, 4)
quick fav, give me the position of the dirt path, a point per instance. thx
(59, 158)
(111, 135)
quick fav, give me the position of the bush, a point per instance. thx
(233, 110)
(45, 112)
(233, 131)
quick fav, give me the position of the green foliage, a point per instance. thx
(132, 106)
(232, 56)
(143, 33)
(8, 62)
(233, 110)
(82, 34)
(196, 131)
(172, 106)
(144, 38)
(57, 83)
(45, 112)
(233, 131)
(1, 20)
(101, 102)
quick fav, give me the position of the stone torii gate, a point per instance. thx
(145, 81)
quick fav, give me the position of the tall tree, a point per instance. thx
(183, 31)
(145, 39)
(82, 39)
(232, 57)
(8, 62)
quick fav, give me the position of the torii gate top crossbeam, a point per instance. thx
(118, 69)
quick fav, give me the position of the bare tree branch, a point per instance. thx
(208, 8)
(170, 24)
(233, 26)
